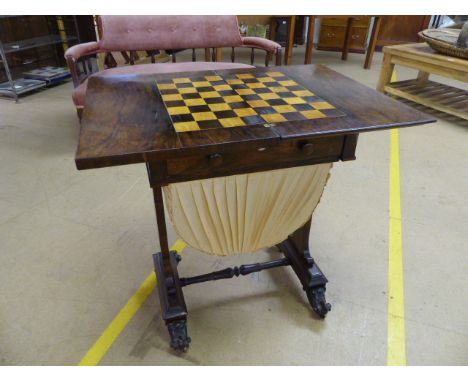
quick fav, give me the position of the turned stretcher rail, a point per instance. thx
(235, 271)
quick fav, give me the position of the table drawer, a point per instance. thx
(284, 153)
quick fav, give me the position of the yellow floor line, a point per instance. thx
(118, 324)
(396, 351)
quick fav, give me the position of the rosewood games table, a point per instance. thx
(203, 125)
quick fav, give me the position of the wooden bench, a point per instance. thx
(420, 56)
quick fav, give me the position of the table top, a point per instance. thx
(423, 52)
(125, 119)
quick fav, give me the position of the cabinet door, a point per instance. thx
(401, 29)
(331, 37)
(358, 37)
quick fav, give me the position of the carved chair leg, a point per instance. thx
(267, 59)
(279, 57)
(296, 249)
(109, 61)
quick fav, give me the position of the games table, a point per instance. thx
(203, 125)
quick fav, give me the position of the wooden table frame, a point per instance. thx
(310, 38)
(420, 56)
(174, 310)
(125, 121)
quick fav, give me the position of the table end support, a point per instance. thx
(174, 311)
(296, 249)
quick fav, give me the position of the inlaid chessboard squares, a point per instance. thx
(240, 99)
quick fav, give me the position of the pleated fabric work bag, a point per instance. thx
(244, 213)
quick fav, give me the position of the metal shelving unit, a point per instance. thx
(15, 87)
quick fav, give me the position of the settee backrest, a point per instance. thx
(121, 33)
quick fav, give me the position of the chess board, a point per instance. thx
(240, 99)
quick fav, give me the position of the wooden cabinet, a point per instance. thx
(34, 41)
(333, 32)
(401, 29)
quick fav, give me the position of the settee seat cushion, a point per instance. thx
(79, 93)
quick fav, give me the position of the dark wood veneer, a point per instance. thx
(124, 121)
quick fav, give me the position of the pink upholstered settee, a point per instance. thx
(150, 33)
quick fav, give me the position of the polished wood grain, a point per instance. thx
(366, 110)
(119, 123)
(272, 155)
(124, 120)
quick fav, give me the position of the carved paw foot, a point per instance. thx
(180, 341)
(316, 297)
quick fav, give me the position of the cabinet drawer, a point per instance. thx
(285, 153)
(359, 21)
(333, 37)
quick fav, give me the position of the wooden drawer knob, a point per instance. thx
(307, 148)
(215, 159)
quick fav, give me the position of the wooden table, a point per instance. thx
(126, 121)
(421, 57)
(310, 38)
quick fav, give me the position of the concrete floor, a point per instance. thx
(75, 246)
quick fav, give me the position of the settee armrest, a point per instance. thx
(261, 43)
(81, 50)
(74, 54)
(269, 46)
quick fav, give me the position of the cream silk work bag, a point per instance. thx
(244, 213)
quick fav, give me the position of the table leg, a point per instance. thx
(347, 40)
(386, 72)
(310, 41)
(290, 39)
(296, 249)
(372, 42)
(174, 310)
(422, 78)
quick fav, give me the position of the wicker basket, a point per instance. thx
(444, 41)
